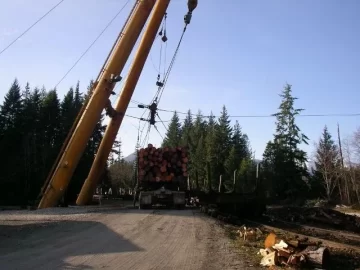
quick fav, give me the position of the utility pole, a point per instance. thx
(340, 147)
(220, 183)
(234, 183)
(342, 168)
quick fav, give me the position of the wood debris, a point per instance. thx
(279, 252)
(316, 216)
(249, 234)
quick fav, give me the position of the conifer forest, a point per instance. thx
(35, 122)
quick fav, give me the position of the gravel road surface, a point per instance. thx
(113, 239)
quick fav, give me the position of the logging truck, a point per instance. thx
(162, 177)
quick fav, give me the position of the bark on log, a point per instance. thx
(162, 164)
(314, 257)
(317, 258)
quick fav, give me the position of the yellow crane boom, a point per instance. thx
(112, 129)
(74, 147)
(91, 115)
(123, 102)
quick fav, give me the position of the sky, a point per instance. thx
(237, 53)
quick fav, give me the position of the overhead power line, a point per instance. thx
(31, 26)
(92, 43)
(257, 116)
(269, 115)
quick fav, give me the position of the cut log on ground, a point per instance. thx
(317, 257)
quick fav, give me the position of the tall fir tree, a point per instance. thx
(173, 134)
(327, 166)
(288, 161)
(33, 126)
(67, 113)
(240, 141)
(11, 110)
(211, 152)
(186, 130)
(223, 144)
(12, 174)
(197, 152)
(232, 163)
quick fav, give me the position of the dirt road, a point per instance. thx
(115, 239)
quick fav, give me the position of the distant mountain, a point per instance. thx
(131, 157)
(257, 161)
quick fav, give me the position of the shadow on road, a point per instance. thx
(78, 210)
(50, 245)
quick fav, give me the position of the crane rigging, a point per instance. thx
(123, 101)
(59, 178)
(102, 90)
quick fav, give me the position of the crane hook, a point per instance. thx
(192, 4)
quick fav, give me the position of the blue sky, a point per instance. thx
(236, 52)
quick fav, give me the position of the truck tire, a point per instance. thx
(144, 206)
(180, 206)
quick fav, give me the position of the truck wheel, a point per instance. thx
(180, 206)
(144, 206)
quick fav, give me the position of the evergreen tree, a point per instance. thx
(11, 110)
(223, 134)
(246, 182)
(287, 159)
(211, 152)
(33, 126)
(28, 120)
(186, 129)
(198, 165)
(50, 119)
(78, 99)
(240, 142)
(116, 153)
(269, 163)
(231, 164)
(197, 152)
(327, 165)
(35, 138)
(12, 174)
(50, 131)
(68, 113)
(198, 130)
(173, 134)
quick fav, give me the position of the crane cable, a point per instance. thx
(162, 33)
(161, 86)
(97, 38)
(31, 26)
(161, 89)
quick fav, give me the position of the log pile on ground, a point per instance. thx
(294, 253)
(162, 164)
(317, 216)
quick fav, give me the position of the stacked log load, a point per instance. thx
(162, 164)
